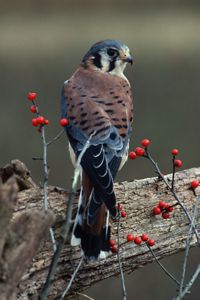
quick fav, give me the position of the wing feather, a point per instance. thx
(101, 105)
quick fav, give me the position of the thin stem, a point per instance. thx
(164, 269)
(189, 285)
(72, 278)
(188, 240)
(56, 137)
(46, 171)
(46, 174)
(65, 227)
(37, 158)
(84, 295)
(119, 261)
(63, 236)
(173, 172)
(45, 184)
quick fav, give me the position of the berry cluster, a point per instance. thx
(138, 151)
(177, 162)
(163, 208)
(139, 239)
(113, 246)
(39, 120)
(121, 210)
(130, 238)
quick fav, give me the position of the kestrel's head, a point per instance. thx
(108, 56)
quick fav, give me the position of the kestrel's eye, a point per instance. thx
(112, 52)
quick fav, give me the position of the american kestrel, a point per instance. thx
(97, 101)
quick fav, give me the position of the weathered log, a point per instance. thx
(138, 198)
(20, 237)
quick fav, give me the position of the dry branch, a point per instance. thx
(138, 198)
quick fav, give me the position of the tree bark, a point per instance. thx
(138, 199)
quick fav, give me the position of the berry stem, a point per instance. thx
(36, 107)
(173, 171)
(162, 267)
(46, 173)
(45, 183)
(56, 137)
(187, 248)
(72, 278)
(119, 260)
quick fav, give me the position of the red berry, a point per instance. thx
(151, 243)
(41, 120)
(64, 122)
(178, 163)
(35, 122)
(112, 243)
(123, 214)
(145, 143)
(130, 237)
(175, 152)
(132, 155)
(139, 151)
(31, 96)
(33, 108)
(156, 210)
(119, 207)
(114, 249)
(144, 237)
(194, 184)
(169, 208)
(165, 215)
(137, 240)
(39, 129)
(162, 204)
(46, 122)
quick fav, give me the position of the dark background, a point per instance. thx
(42, 43)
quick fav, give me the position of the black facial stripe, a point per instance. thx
(97, 60)
(112, 65)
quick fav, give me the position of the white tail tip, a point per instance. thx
(75, 241)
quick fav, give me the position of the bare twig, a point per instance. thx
(63, 236)
(45, 183)
(65, 227)
(163, 268)
(46, 171)
(84, 295)
(187, 248)
(46, 174)
(56, 137)
(173, 172)
(189, 285)
(119, 261)
(72, 278)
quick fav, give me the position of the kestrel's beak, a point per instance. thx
(127, 58)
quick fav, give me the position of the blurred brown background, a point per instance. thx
(41, 44)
